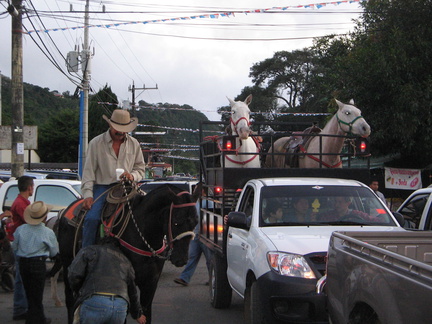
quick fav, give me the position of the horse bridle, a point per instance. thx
(238, 121)
(350, 124)
(254, 139)
(171, 240)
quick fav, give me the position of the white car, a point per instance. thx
(58, 193)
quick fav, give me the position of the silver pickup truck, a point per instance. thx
(379, 277)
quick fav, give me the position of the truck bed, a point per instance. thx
(383, 277)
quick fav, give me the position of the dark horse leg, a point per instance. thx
(66, 235)
(146, 277)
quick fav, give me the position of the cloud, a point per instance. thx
(196, 64)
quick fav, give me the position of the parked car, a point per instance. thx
(5, 175)
(58, 193)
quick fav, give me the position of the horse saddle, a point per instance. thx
(297, 140)
(74, 213)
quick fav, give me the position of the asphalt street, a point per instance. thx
(173, 304)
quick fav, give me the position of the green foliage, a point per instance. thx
(384, 65)
(59, 137)
(96, 124)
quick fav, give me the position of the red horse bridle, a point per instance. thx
(237, 150)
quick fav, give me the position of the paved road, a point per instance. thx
(173, 304)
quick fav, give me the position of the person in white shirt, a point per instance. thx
(109, 151)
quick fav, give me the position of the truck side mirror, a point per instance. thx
(238, 220)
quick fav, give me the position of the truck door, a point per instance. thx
(417, 210)
(237, 245)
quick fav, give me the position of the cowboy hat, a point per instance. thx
(121, 121)
(35, 213)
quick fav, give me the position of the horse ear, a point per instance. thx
(351, 102)
(197, 192)
(340, 104)
(248, 100)
(232, 102)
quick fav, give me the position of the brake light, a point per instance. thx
(363, 147)
(218, 190)
(228, 145)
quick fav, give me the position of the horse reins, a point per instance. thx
(171, 240)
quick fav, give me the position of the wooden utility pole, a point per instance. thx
(17, 149)
(132, 89)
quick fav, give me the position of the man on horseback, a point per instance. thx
(107, 152)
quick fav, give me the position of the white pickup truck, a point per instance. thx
(58, 193)
(275, 265)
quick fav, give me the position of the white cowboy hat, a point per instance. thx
(35, 213)
(121, 121)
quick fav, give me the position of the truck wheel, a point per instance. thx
(252, 306)
(220, 290)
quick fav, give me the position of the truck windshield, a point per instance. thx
(322, 205)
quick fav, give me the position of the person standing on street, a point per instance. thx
(33, 244)
(196, 248)
(25, 188)
(109, 151)
(103, 280)
(374, 185)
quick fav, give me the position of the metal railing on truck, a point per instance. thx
(222, 184)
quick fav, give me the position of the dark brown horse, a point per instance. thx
(164, 212)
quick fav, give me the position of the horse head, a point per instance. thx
(240, 114)
(180, 225)
(350, 119)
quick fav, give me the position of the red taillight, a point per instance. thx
(228, 145)
(363, 147)
(218, 190)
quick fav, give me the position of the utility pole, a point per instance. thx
(132, 89)
(85, 57)
(17, 149)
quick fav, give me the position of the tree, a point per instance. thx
(284, 75)
(389, 74)
(96, 124)
(59, 137)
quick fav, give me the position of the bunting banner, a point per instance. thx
(203, 16)
(407, 179)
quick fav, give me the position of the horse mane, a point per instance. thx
(158, 197)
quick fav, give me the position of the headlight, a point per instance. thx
(291, 265)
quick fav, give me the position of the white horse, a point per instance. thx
(239, 125)
(347, 120)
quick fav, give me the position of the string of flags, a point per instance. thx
(172, 145)
(203, 16)
(313, 114)
(181, 157)
(172, 128)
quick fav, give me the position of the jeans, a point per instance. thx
(19, 299)
(99, 309)
(196, 247)
(33, 272)
(92, 218)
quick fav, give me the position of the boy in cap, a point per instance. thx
(109, 151)
(33, 243)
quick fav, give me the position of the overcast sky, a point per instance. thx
(192, 61)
